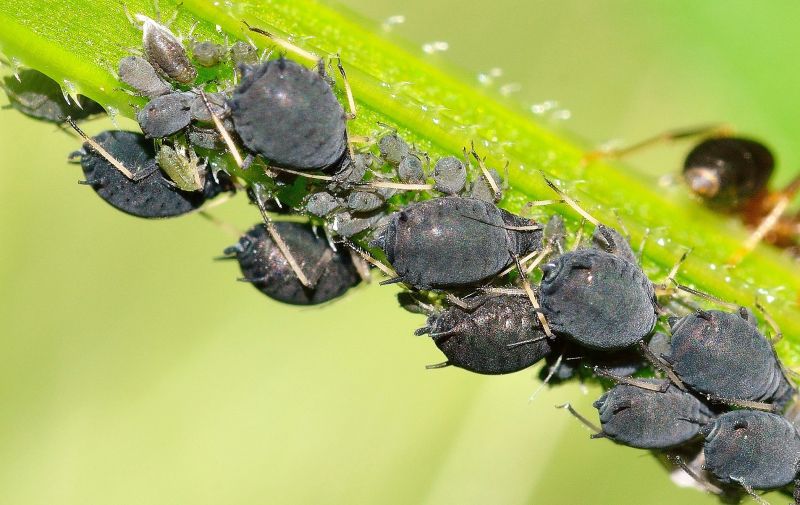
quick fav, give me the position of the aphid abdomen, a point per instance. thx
(758, 449)
(289, 115)
(598, 300)
(646, 419)
(165, 52)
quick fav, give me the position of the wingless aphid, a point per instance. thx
(40, 97)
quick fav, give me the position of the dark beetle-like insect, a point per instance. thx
(38, 96)
(638, 417)
(149, 194)
(599, 297)
(263, 264)
(454, 242)
(494, 334)
(289, 115)
(724, 354)
(758, 450)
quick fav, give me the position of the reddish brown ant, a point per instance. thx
(730, 174)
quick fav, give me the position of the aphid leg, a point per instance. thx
(640, 250)
(598, 433)
(362, 267)
(319, 269)
(351, 103)
(629, 381)
(541, 257)
(393, 278)
(105, 154)
(503, 291)
(747, 404)
(489, 179)
(282, 246)
(285, 44)
(525, 342)
(370, 184)
(660, 364)
(522, 260)
(532, 297)
(715, 130)
(570, 201)
(550, 373)
(778, 202)
(703, 482)
(667, 286)
(443, 364)
(222, 131)
(777, 333)
(758, 499)
(705, 296)
(578, 240)
(222, 225)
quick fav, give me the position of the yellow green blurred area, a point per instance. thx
(136, 370)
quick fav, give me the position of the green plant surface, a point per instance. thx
(129, 382)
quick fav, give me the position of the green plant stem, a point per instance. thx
(79, 43)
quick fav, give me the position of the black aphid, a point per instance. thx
(289, 115)
(140, 75)
(724, 354)
(599, 297)
(449, 175)
(755, 449)
(492, 335)
(40, 97)
(453, 242)
(166, 114)
(149, 194)
(638, 417)
(165, 52)
(262, 263)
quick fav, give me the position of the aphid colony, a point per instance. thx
(464, 262)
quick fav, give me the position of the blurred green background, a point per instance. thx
(135, 370)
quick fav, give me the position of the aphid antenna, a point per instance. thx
(598, 433)
(660, 364)
(370, 184)
(222, 131)
(101, 151)
(533, 227)
(219, 223)
(704, 483)
(526, 283)
(351, 103)
(443, 364)
(622, 226)
(629, 381)
(705, 296)
(282, 246)
(489, 179)
(522, 260)
(777, 333)
(749, 490)
(503, 291)
(576, 244)
(712, 130)
(541, 257)
(553, 369)
(640, 250)
(282, 43)
(362, 267)
(570, 201)
(747, 404)
(525, 342)
(669, 281)
(393, 278)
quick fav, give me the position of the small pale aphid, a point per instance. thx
(243, 53)
(207, 53)
(449, 175)
(38, 96)
(165, 52)
(182, 166)
(140, 75)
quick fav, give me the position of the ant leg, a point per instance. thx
(715, 130)
(598, 433)
(777, 203)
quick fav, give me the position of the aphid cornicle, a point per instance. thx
(756, 449)
(263, 264)
(165, 52)
(599, 297)
(289, 115)
(724, 354)
(454, 242)
(38, 96)
(151, 195)
(480, 338)
(638, 417)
